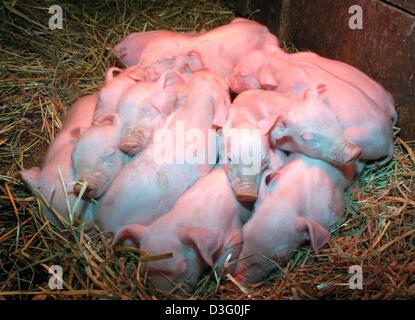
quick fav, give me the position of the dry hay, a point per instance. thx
(43, 72)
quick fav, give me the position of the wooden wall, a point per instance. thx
(384, 48)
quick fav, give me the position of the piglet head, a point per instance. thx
(146, 110)
(311, 128)
(220, 91)
(245, 156)
(162, 55)
(275, 237)
(116, 82)
(96, 159)
(196, 253)
(215, 92)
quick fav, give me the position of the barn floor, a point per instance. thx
(42, 72)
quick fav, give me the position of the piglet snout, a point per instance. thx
(89, 190)
(246, 192)
(134, 141)
(352, 153)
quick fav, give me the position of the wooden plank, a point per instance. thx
(384, 48)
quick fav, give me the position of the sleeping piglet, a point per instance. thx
(287, 123)
(96, 158)
(201, 231)
(353, 75)
(116, 82)
(47, 179)
(151, 183)
(129, 49)
(299, 203)
(363, 121)
(145, 106)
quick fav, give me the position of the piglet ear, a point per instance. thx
(231, 249)
(317, 234)
(266, 77)
(134, 232)
(143, 73)
(77, 133)
(206, 241)
(194, 60)
(30, 176)
(112, 119)
(111, 73)
(221, 111)
(277, 159)
(277, 121)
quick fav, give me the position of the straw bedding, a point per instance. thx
(42, 72)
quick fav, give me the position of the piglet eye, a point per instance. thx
(308, 136)
(168, 61)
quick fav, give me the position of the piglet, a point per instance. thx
(150, 184)
(287, 123)
(129, 49)
(56, 189)
(145, 106)
(353, 75)
(97, 159)
(299, 203)
(201, 231)
(117, 81)
(218, 50)
(363, 121)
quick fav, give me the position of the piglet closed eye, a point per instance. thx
(144, 108)
(97, 159)
(201, 232)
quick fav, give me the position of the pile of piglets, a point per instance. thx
(320, 123)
